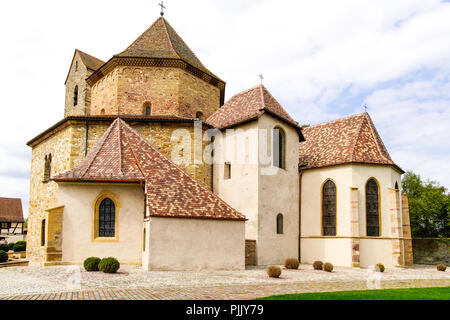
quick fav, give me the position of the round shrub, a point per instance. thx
(318, 265)
(274, 271)
(3, 256)
(328, 267)
(291, 263)
(11, 246)
(19, 247)
(91, 263)
(379, 267)
(21, 242)
(441, 267)
(109, 265)
(4, 247)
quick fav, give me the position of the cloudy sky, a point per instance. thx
(321, 59)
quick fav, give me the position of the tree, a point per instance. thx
(429, 206)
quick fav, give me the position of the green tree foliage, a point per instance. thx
(429, 206)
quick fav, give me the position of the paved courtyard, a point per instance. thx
(72, 282)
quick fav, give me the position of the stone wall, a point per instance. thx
(431, 251)
(170, 91)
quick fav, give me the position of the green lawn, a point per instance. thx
(388, 294)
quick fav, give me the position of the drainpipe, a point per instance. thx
(300, 214)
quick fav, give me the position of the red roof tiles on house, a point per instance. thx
(11, 210)
(353, 139)
(122, 155)
(160, 40)
(247, 106)
(89, 61)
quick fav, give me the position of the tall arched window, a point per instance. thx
(75, 96)
(279, 148)
(47, 166)
(107, 218)
(147, 108)
(329, 208)
(280, 224)
(396, 185)
(372, 208)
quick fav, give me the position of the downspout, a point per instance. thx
(300, 214)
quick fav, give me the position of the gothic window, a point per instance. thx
(199, 115)
(43, 233)
(279, 148)
(75, 96)
(329, 209)
(47, 167)
(372, 208)
(280, 224)
(106, 218)
(147, 108)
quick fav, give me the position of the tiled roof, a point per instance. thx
(160, 40)
(11, 210)
(122, 155)
(247, 106)
(89, 61)
(353, 139)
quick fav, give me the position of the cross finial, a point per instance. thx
(261, 77)
(162, 8)
(365, 107)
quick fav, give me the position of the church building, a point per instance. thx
(151, 166)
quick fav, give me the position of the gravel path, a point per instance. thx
(26, 280)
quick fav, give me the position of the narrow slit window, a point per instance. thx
(227, 174)
(280, 224)
(329, 209)
(372, 209)
(43, 233)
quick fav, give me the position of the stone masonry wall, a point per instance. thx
(431, 251)
(171, 91)
(77, 77)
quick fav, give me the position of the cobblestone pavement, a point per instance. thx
(131, 283)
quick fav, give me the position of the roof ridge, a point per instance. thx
(120, 149)
(170, 39)
(262, 97)
(178, 167)
(374, 133)
(134, 155)
(357, 139)
(332, 121)
(245, 91)
(139, 38)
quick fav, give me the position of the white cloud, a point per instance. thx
(310, 52)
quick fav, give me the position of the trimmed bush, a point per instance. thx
(11, 246)
(274, 271)
(21, 242)
(91, 263)
(318, 265)
(328, 267)
(19, 247)
(3, 256)
(109, 265)
(291, 263)
(379, 267)
(4, 247)
(441, 267)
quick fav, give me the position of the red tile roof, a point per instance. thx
(89, 61)
(11, 210)
(160, 40)
(353, 139)
(122, 155)
(247, 106)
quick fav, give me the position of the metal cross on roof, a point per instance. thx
(162, 7)
(365, 107)
(261, 77)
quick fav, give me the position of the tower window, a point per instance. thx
(199, 115)
(75, 96)
(47, 167)
(329, 209)
(76, 66)
(279, 148)
(372, 209)
(227, 173)
(147, 109)
(43, 233)
(280, 224)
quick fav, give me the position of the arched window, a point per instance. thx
(280, 224)
(396, 185)
(148, 109)
(372, 208)
(279, 148)
(102, 112)
(107, 218)
(199, 115)
(47, 167)
(75, 96)
(329, 208)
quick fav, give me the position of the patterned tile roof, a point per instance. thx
(247, 106)
(160, 40)
(11, 210)
(89, 61)
(122, 155)
(353, 139)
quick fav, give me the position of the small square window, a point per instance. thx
(227, 173)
